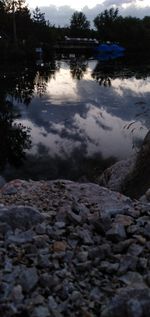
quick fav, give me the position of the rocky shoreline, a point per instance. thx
(73, 249)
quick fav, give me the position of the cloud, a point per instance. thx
(135, 11)
(118, 3)
(58, 15)
(61, 15)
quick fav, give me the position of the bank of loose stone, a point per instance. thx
(70, 249)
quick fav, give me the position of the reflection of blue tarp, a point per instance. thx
(106, 48)
(109, 56)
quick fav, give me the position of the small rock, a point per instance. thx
(133, 279)
(8, 265)
(48, 280)
(85, 235)
(17, 295)
(59, 246)
(85, 313)
(37, 300)
(20, 238)
(133, 229)
(28, 279)
(40, 228)
(40, 311)
(53, 307)
(101, 225)
(116, 233)
(140, 238)
(76, 297)
(124, 220)
(118, 305)
(43, 261)
(22, 217)
(96, 294)
(127, 263)
(146, 231)
(134, 308)
(122, 246)
(60, 224)
(109, 267)
(82, 256)
(76, 219)
(142, 264)
(82, 267)
(135, 249)
(9, 190)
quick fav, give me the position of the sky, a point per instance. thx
(79, 4)
(59, 12)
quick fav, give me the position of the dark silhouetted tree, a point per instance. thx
(38, 16)
(79, 24)
(105, 21)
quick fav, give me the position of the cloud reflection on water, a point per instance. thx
(81, 116)
(97, 131)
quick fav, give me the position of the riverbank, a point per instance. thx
(73, 249)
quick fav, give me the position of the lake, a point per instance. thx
(82, 114)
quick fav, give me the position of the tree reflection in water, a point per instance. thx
(14, 138)
(19, 85)
(103, 73)
(43, 75)
(24, 87)
(107, 70)
(78, 67)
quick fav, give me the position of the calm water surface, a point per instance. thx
(82, 115)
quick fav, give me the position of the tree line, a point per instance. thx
(21, 31)
(131, 32)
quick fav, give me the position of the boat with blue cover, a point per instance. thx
(109, 48)
(105, 52)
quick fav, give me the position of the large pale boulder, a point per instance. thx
(114, 176)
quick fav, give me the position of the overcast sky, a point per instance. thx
(79, 4)
(58, 12)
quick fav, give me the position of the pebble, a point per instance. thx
(17, 295)
(40, 311)
(28, 279)
(74, 250)
(59, 246)
(135, 249)
(117, 232)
